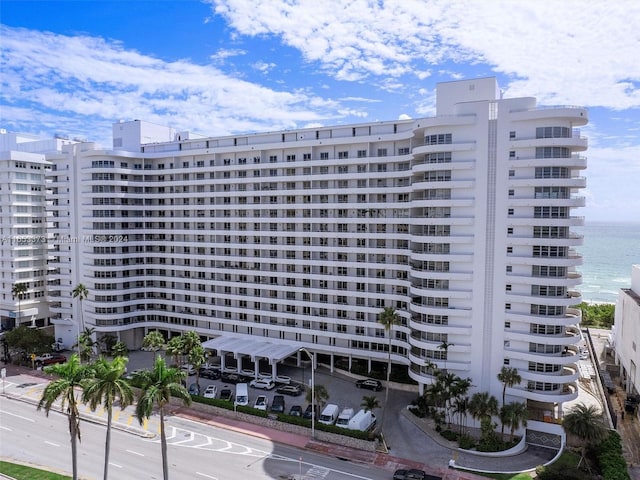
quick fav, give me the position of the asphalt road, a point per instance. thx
(195, 451)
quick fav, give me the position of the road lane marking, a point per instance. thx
(5, 428)
(18, 416)
(115, 465)
(207, 476)
(51, 443)
(136, 453)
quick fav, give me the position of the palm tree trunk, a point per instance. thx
(163, 446)
(107, 443)
(74, 446)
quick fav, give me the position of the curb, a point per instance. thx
(88, 418)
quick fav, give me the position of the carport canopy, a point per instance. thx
(275, 352)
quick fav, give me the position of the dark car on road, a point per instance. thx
(292, 390)
(369, 384)
(413, 474)
(194, 389)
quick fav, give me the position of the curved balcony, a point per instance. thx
(565, 339)
(445, 147)
(571, 356)
(568, 392)
(445, 121)
(574, 161)
(568, 374)
(578, 116)
(576, 143)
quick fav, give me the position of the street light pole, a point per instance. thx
(313, 390)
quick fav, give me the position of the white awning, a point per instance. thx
(275, 352)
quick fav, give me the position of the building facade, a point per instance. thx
(626, 334)
(298, 239)
(24, 217)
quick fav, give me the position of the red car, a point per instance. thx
(55, 358)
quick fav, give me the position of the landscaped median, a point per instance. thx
(282, 422)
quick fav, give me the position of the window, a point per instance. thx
(439, 139)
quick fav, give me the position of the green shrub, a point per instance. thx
(466, 442)
(610, 460)
(449, 435)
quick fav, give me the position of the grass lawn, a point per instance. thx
(506, 476)
(21, 472)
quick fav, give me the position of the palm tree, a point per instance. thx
(197, 357)
(585, 422)
(444, 346)
(71, 375)
(175, 348)
(157, 387)
(105, 388)
(153, 340)
(514, 415)
(509, 377)
(86, 343)
(321, 396)
(120, 349)
(370, 402)
(388, 318)
(18, 290)
(80, 292)
(483, 406)
(461, 407)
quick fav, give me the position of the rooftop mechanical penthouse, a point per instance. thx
(269, 242)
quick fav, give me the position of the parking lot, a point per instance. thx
(342, 392)
(402, 437)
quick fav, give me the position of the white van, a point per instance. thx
(344, 417)
(363, 421)
(242, 394)
(329, 415)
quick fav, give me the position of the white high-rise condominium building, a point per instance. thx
(23, 221)
(265, 243)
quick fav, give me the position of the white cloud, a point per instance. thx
(66, 77)
(263, 66)
(571, 52)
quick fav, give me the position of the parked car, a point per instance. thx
(247, 372)
(283, 379)
(413, 474)
(226, 393)
(262, 402)
(42, 357)
(307, 413)
(210, 373)
(211, 391)
(55, 358)
(151, 348)
(265, 376)
(369, 384)
(277, 405)
(194, 389)
(230, 370)
(262, 384)
(190, 369)
(232, 378)
(292, 390)
(295, 411)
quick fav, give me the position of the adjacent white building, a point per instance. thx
(23, 228)
(626, 333)
(266, 243)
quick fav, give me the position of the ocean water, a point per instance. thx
(609, 251)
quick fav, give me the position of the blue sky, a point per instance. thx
(236, 66)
